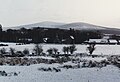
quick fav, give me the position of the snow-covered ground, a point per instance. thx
(98, 59)
(100, 49)
(32, 74)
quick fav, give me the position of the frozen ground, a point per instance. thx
(31, 74)
(100, 49)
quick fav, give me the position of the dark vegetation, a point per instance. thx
(50, 69)
(47, 35)
(3, 73)
(38, 51)
(91, 48)
(115, 60)
(50, 35)
(21, 58)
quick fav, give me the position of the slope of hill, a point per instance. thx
(90, 27)
(77, 26)
(81, 26)
(46, 24)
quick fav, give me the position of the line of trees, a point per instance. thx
(47, 35)
(38, 51)
(69, 49)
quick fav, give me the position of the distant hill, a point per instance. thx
(90, 27)
(77, 26)
(46, 24)
(81, 26)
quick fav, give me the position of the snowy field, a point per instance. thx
(31, 73)
(100, 49)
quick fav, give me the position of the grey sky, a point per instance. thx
(100, 12)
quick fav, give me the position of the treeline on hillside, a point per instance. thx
(47, 35)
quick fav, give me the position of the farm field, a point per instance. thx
(100, 49)
(31, 74)
(73, 70)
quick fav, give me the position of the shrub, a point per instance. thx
(19, 53)
(55, 50)
(26, 52)
(3, 51)
(68, 49)
(50, 51)
(12, 51)
(38, 49)
(65, 50)
(91, 48)
(72, 49)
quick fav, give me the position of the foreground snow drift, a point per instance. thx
(32, 74)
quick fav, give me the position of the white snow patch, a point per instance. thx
(31, 74)
(100, 49)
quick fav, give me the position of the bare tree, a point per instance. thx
(12, 51)
(38, 49)
(91, 48)
(3, 51)
(65, 50)
(72, 49)
(55, 50)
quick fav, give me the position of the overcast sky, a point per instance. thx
(100, 12)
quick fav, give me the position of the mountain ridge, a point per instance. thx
(74, 25)
(46, 24)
